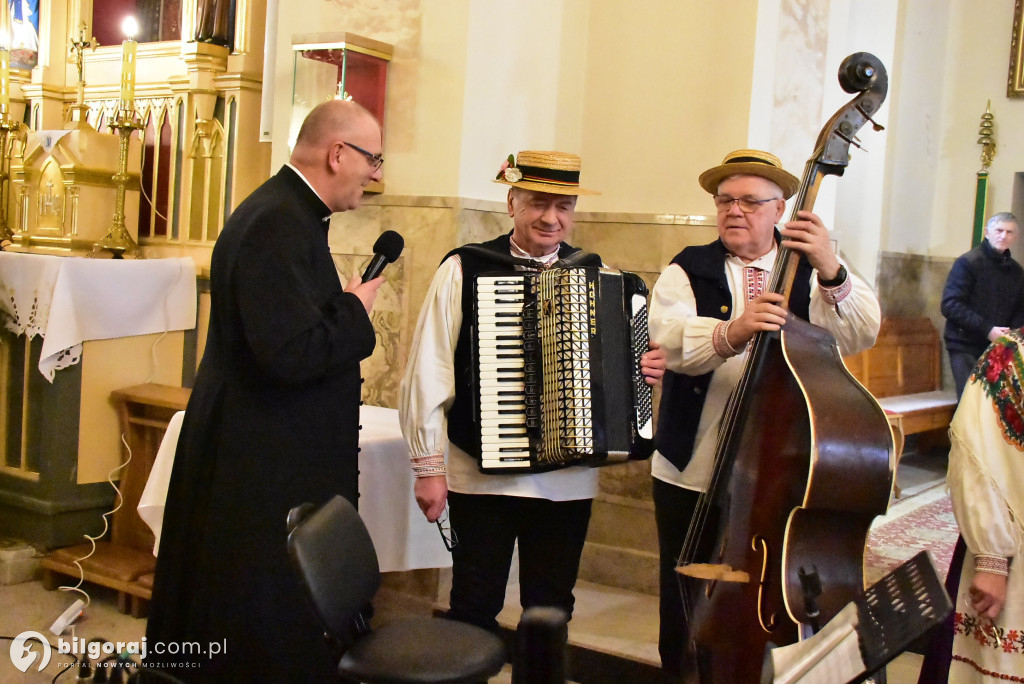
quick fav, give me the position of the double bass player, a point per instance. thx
(706, 306)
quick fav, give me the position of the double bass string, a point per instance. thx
(722, 465)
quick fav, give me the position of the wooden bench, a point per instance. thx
(904, 372)
(125, 562)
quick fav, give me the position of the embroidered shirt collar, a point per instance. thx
(765, 262)
(545, 260)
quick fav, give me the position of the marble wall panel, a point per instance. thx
(382, 371)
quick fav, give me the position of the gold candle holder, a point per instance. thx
(117, 240)
(9, 131)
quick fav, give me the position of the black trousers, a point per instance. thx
(673, 509)
(550, 536)
(961, 363)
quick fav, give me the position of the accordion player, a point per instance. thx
(557, 369)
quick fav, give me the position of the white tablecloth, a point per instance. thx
(69, 300)
(402, 536)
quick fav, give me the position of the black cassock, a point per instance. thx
(272, 423)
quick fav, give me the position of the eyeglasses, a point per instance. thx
(375, 160)
(747, 204)
(448, 535)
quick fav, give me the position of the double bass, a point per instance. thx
(803, 464)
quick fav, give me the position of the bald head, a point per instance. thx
(327, 122)
(337, 151)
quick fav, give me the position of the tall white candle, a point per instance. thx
(129, 50)
(5, 78)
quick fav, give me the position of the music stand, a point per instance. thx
(897, 609)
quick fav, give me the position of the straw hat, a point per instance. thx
(750, 163)
(554, 172)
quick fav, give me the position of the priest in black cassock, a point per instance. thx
(273, 420)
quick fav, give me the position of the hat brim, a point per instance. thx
(549, 187)
(787, 182)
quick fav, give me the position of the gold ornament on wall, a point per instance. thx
(986, 139)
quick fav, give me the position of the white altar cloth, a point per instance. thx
(402, 536)
(69, 300)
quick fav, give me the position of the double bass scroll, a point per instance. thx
(802, 466)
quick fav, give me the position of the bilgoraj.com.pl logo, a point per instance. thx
(23, 654)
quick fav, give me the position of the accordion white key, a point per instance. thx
(557, 363)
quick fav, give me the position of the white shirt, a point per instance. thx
(686, 339)
(428, 390)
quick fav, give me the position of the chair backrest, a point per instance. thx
(334, 555)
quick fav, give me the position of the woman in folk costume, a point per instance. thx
(986, 481)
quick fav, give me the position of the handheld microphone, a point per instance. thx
(386, 249)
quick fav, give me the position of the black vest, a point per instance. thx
(682, 396)
(463, 430)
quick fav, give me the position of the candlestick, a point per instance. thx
(129, 49)
(5, 80)
(5, 60)
(118, 241)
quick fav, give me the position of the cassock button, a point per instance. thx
(725, 309)
(360, 427)
(360, 402)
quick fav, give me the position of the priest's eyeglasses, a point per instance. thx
(448, 535)
(375, 160)
(747, 204)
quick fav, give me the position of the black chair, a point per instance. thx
(334, 555)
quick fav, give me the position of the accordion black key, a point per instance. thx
(557, 362)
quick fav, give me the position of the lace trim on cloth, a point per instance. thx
(28, 319)
(1000, 371)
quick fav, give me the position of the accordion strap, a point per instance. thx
(576, 259)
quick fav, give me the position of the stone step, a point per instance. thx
(622, 545)
(613, 634)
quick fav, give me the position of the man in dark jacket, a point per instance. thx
(983, 297)
(272, 421)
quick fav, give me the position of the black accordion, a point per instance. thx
(557, 364)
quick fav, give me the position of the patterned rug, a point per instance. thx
(924, 521)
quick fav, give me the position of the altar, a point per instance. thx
(74, 329)
(403, 538)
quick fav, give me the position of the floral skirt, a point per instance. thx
(983, 650)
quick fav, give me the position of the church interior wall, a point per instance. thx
(953, 57)
(649, 94)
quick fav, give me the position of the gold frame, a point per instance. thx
(1015, 82)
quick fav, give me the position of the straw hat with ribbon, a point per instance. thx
(554, 172)
(750, 163)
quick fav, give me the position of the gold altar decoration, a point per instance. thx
(988, 152)
(78, 112)
(8, 128)
(63, 187)
(63, 182)
(118, 241)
